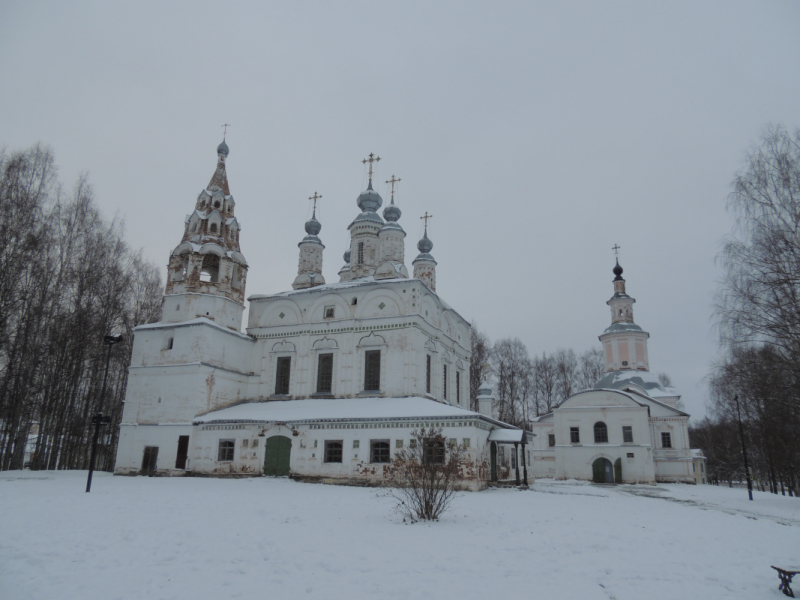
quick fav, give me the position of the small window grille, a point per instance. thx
(666, 439)
(412, 443)
(627, 434)
(213, 228)
(444, 384)
(513, 459)
(329, 310)
(245, 443)
(398, 443)
(428, 374)
(630, 454)
(361, 253)
(282, 375)
(551, 439)
(333, 451)
(379, 451)
(356, 444)
(226, 448)
(600, 433)
(372, 370)
(254, 444)
(574, 435)
(433, 452)
(458, 387)
(325, 374)
(465, 442)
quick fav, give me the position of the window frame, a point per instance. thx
(327, 375)
(372, 371)
(551, 440)
(433, 449)
(228, 449)
(428, 374)
(380, 453)
(444, 382)
(668, 439)
(600, 433)
(627, 434)
(574, 435)
(458, 387)
(330, 453)
(279, 375)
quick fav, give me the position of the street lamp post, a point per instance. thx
(98, 419)
(744, 448)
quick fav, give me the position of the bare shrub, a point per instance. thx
(426, 475)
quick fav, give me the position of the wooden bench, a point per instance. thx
(786, 580)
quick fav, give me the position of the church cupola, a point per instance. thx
(392, 242)
(309, 270)
(624, 342)
(424, 264)
(365, 248)
(344, 272)
(207, 272)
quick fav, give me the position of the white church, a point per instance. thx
(330, 379)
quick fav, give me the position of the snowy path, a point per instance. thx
(198, 538)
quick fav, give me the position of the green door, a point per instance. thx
(276, 456)
(618, 471)
(598, 471)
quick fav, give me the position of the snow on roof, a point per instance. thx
(284, 411)
(644, 379)
(197, 321)
(507, 436)
(697, 453)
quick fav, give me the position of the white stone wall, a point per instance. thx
(178, 308)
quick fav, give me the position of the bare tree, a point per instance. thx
(511, 367)
(591, 367)
(481, 350)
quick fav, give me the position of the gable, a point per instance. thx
(600, 398)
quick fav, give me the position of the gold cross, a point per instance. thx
(393, 181)
(315, 197)
(372, 158)
(485, 369)
(425, 218)
(616, 249)
(226, 125)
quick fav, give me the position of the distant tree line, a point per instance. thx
(526, 386)
(67, 279)
(758, 311)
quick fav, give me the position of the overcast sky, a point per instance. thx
(538, 134)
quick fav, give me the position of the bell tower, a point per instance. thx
(424, 264)
(207, 272)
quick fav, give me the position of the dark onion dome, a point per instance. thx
(223, 148)
(313, 227)
(369, 200)
(425, 245)
(347, 256)
(617, 272)
(392, 213)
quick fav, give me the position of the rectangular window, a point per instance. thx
(398, 443)
(324, 373)
(433, 452)
(444, 385)
(551, 439)
(356, 443)
(630, 454)
(574, 435)
(379, 451)
(627, 434)
(333, 451)
(513, 460)
(666, 439)
(282, 375)
(458, 387)
(465, 442)
(329, 310)
(361, 253)
(694, 467)
(225, 452)
(372, 370)
(428, 374)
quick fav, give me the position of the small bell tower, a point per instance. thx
(424, 264)
(207, 272)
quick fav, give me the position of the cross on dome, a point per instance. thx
(372, 158)
(616, 248)
(393, 181)
(425, 217)
(315, 197)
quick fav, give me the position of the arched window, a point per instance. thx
(361, 253)
(213, 228)
(600, 433)
(210, 269)
(194, 226)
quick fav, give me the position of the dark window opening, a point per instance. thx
(329, 312)
(574, 435)
(627, 434)
(150, 460)
(354, 302)
(324, 373)
(379, 451)
(666, 439)
(433, 452)
(428, 374)
(170, 343)
(444, 385)
(282, 375)
(361, 253)
(372, 370)
(183, 452)
(209, 272)
(551, 439)
(225, 452)
(333, 451)
(213, 228)
(458, 387)
(600, 433)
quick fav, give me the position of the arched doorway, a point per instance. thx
(602, 471)
(276, 456)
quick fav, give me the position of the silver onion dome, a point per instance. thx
(425, 245)
(347, 256)
(392, 213)
(313, 227)
(223, 148)
(369, 200)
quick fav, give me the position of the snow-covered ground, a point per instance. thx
(259, 538)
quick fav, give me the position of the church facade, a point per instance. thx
(629, 428)
(329, 379)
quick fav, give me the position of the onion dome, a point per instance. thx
(392, 212)
(618, 272)
(223, 148)
(425, 245)
(369, 200)
(347, 256)
(484, 390)
(313, 227)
